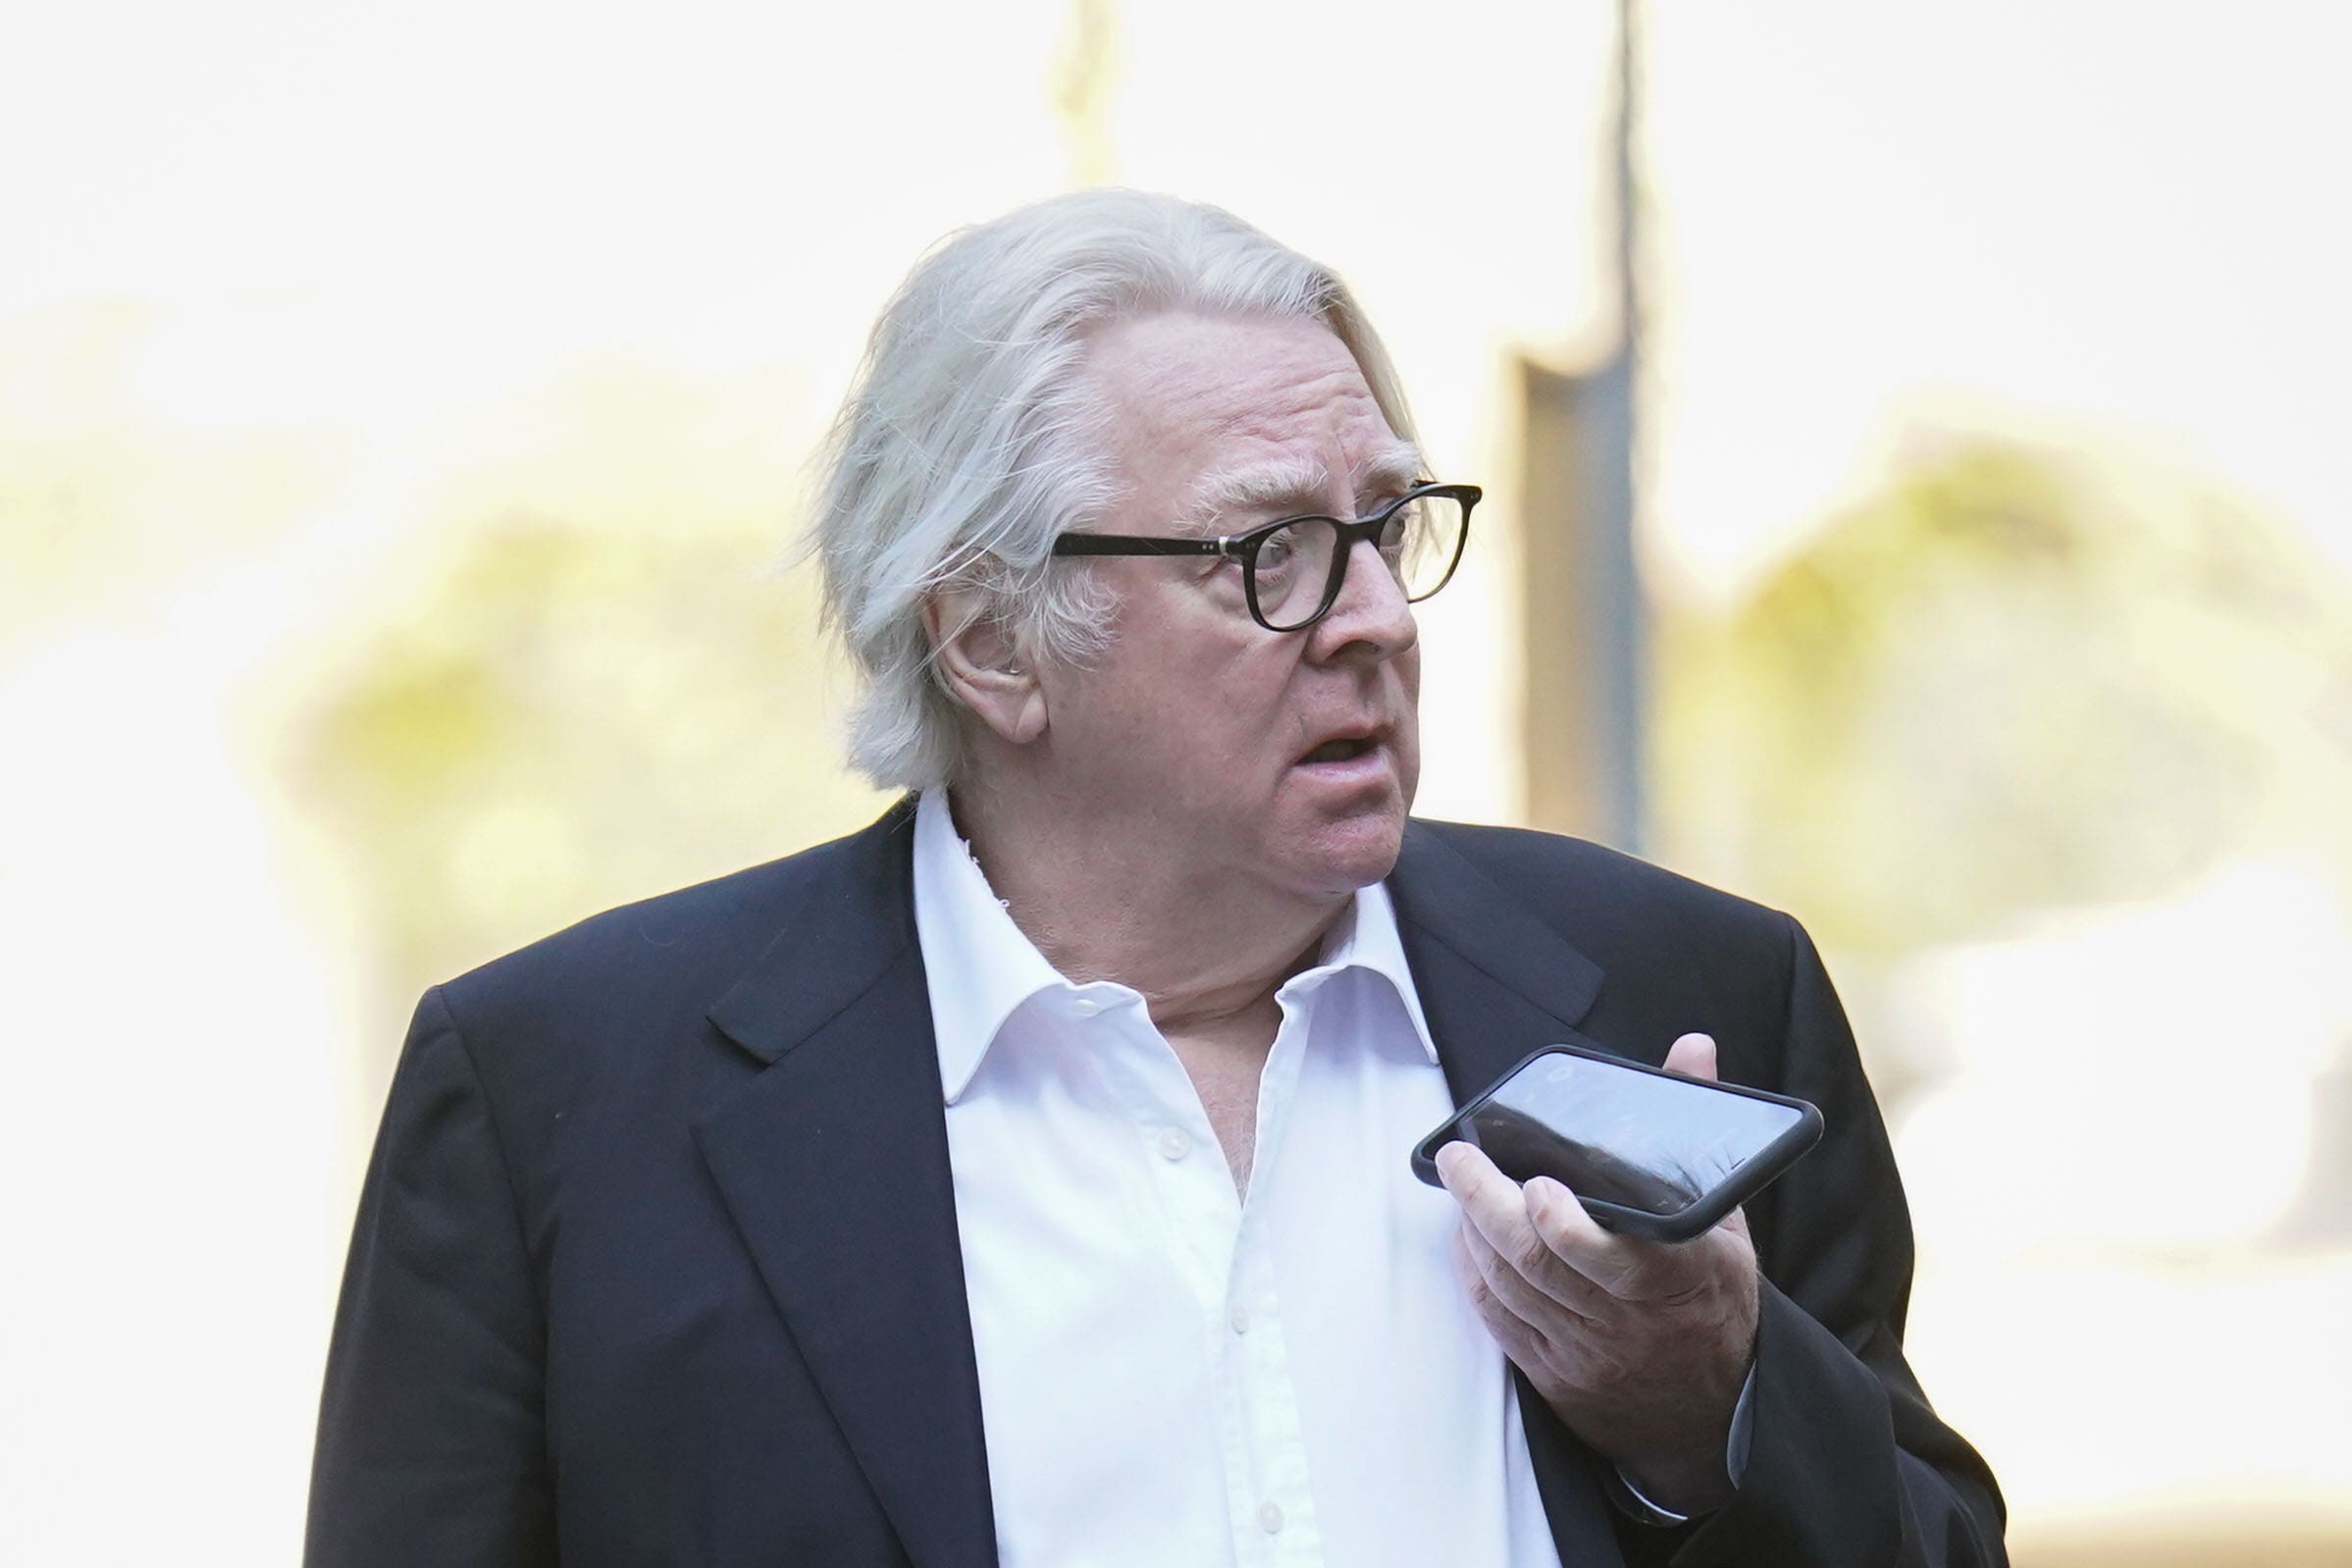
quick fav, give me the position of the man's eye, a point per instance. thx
(1400, 529)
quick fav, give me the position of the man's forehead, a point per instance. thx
(1182, 371)
(1246, 413)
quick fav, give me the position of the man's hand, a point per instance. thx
(1638, 1346)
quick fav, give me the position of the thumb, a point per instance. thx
(1693, 1055)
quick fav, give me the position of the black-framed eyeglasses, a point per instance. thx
(1292, 570)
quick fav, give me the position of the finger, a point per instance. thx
(1548, 1304)
(1600, 1259)
(1693, 1056)
(1546, 1237)
(1467, 1246)
(1478, 1186)
(1507, 1329)
(1626, 1268)
(1539, 1230)
(1497, 1209)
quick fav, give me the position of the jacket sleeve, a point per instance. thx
(1847, 1464)
(432, 1444)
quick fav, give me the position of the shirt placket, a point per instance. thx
(1267, 1478)
(1224, 1253)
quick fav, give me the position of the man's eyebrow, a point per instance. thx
(1282, 485)
(1297, 485)
(1395, 467)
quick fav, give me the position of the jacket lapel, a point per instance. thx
(1494, 984)
(834, 1164)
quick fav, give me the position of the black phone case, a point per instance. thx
(1752, 1177)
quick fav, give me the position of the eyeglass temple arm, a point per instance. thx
(1128, 544)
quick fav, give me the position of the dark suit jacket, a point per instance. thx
(656, 1260)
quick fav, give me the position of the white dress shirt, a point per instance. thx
(1170, 1373)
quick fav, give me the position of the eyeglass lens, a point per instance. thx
(1297, 577)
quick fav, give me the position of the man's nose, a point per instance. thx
(1371, 612)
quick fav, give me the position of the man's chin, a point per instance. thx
(1339, 856)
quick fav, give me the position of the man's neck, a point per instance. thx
(1103, 903)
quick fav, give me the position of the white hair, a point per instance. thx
(966, 442)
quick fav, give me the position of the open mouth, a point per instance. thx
(1345, 749)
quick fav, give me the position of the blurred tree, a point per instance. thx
(578, 710)
(2010, 681)
(574, 718)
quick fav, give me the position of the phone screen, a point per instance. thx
(1621, 1134)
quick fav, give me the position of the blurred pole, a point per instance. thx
(1587, 633)
(1084, 78)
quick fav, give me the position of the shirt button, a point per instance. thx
(1239, 1319)
(1174, 1144)
(1085, 1007)
(1270, 1518)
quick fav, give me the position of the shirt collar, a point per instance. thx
(1366, 937)
(980, 968)
(976, 962)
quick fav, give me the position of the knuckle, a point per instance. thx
(1497, 1270)
(1484, 1266)
(1613, 1373)
(1624, 1279)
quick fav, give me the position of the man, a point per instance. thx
(1025, 1177)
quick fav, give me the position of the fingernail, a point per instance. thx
(1447, 1157)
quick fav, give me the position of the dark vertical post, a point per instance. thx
(1587, 617)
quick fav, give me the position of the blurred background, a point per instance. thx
(1916, 447)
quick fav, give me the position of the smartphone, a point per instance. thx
(1648, 1152)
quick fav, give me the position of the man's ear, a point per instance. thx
(982, 666)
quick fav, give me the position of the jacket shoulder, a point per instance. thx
(657, 955)
(1632, 917)
(1552, 868)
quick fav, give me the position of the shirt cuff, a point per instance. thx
(1735, 1464)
